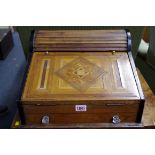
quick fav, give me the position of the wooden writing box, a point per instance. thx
(81, 77)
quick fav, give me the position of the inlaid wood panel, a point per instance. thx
(77, 40)
(80, 76)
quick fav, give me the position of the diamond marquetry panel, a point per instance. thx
(80, 73)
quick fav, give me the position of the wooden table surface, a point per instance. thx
(148, 119)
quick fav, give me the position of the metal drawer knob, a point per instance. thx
(116, 119)
(45, 120)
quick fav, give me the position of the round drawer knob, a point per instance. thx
(116, 119)
(45, 120)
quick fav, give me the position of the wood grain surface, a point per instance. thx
(87, 76)
(95, 71)
(79, 40)
(58, 81)
(149, 109)
(148, 119)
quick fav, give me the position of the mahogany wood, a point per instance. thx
(80, 40)
(115, 80)
(147, 120)
(113, 92)
(104, 81)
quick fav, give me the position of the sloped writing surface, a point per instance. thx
(77, 75)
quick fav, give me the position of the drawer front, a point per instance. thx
(32, 119)
(92, 114)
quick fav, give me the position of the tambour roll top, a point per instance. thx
(80, 40)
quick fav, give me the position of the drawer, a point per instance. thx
(65, 114)
(32, 119)
(65, 118)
